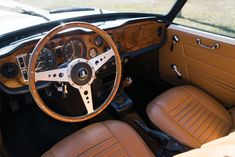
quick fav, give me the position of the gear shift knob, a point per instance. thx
(127, 81)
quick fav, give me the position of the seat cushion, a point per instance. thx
(106, 139)
(190, 116)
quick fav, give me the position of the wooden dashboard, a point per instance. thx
(128, 38)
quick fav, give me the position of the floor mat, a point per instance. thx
(30, 133)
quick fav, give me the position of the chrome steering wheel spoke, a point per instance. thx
(86, 95)
(56, 75)
(100, 60)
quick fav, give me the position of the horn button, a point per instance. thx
(81, 73)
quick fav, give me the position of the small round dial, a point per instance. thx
(99, 41)
(93, 52)
(74, 48)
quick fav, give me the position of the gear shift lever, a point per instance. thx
(121, 96)
(122, 103)
(125, 83)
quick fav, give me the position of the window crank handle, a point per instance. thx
(175, 69)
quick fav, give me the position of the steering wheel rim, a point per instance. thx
(32, 72)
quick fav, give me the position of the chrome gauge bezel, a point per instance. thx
(98, 41)
(90, 52)
(53, 57)
(84, 49)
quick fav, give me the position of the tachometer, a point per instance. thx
(74, 48)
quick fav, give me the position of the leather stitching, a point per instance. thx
(197, 119)
(116, 152)
(137, 135)
(115, 137)
(95, 145)
(206, 106)
(180, 125)
(102, 150)
(210, 134)
(195, 112)
(188, 107)
(187, 113)
(178, 104)
(203, 120)
(208, 126)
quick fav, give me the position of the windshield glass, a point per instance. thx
(146, 6)
(19, 14)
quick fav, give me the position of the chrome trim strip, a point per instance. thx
(200, 33)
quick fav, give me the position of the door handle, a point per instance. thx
(216, 46)
(175, 39)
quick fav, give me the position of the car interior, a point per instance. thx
(117, 85)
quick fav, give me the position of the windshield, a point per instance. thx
(19, 14)
(146, 6)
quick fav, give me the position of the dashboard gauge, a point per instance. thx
(46, 60)
(93, 52)
(99, 41)
(74, 48)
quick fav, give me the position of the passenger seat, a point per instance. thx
(191, 116)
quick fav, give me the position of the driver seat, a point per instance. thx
(105, 139)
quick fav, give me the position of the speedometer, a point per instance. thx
(46, 60)
(74, 48)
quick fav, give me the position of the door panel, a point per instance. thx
(212, 70)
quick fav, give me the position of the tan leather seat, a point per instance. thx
(106, 139)
(222, 147)
(190, 116)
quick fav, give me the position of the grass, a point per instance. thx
(211, 15)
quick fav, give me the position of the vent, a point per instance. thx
(9, 70)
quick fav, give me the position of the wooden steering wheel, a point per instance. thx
(79, 73)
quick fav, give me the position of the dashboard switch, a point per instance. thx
(21, 62)
(24, 75)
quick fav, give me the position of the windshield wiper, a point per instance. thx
(29, 12)
(74, 9)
